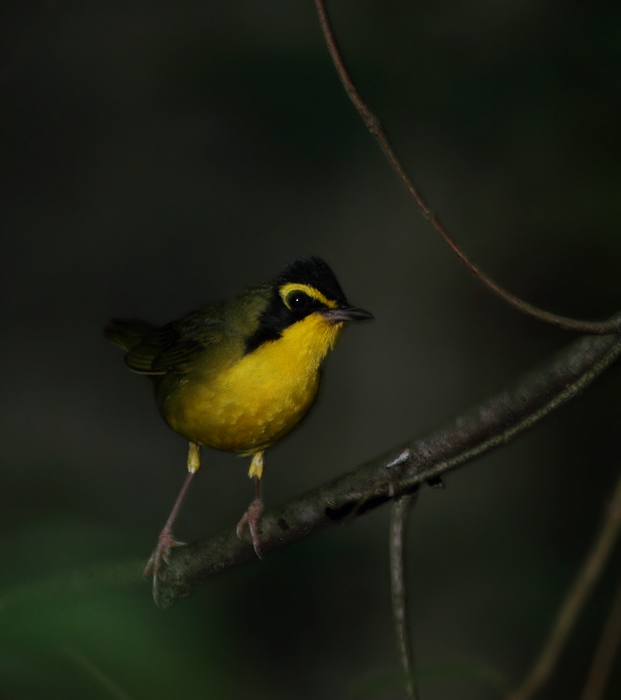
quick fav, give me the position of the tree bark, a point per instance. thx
(491, 424)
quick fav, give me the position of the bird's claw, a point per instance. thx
(160, 554)
(251, 518)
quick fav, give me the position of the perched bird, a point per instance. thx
(240, 375)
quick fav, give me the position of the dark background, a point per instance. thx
(155, 156)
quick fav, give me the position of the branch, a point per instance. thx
(489, 425)
(400, 511)
(374, 125)
(605, 654)
(575, 600)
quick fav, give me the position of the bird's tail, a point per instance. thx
(127, 333)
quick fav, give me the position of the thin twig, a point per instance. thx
(575, 600)
(374, 125)
(398, 522)
(113, 688)
(605, 653)
(488, 426)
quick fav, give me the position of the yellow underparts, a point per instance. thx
(257, 400)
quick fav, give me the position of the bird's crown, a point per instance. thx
(313, 275)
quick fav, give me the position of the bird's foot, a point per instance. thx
(160, 554)
(251, 518)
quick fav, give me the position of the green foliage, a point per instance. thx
(93, 632)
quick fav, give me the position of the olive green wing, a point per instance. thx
(175, 347)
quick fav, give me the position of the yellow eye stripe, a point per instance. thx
(286, 289)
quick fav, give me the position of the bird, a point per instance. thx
(238, 376)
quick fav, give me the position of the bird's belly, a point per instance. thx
(241, 411)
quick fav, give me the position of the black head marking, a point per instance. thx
(316, 273)
(278, 315)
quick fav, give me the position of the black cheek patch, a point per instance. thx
(276, 317)
(261, 336)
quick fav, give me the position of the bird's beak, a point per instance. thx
(346, 313)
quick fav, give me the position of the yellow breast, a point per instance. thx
(252, 403)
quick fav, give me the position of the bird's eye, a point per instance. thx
(297, 301)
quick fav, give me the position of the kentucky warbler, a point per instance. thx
(240, 375)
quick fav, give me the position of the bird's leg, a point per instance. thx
(252, 516)
(166, 541)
